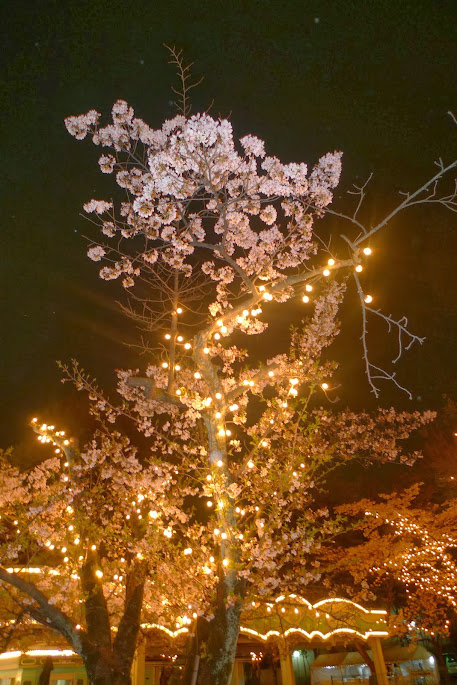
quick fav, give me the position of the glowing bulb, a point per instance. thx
(66, 442)
(233, 407)
(218, 396)
(245, 312)
(305, 298)
(326, 272)
(324, 386)
(197, 375)
(217, 336)
(167, 336)
(218, 415)
(250, 464)
(271, 374)
(179, 338)
(308, 288)
(264, 443)
(368, 299)
(206, 350)
(179, 310)
(177, 367)
(293, 381)
(367, 251)
(164, 365)
(99, 573)
(359, 268)
(188, 550)
(220, 463)
(219, 322)
(221, 432)
(178, 392)
(224, 329)
(331, 262)
(187, 346)
(208, 401)
(209, 503)
(225, 562)
(153, 514)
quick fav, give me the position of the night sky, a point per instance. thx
(372, 78)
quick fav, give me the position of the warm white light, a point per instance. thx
(187, 346)
(165, 365)
(217, 336)
(206, 350)
(224, 329)
(218, 396)
(358, 268)
(324, 386)
(233, 407)
(225, 562)
(218, 415)
(179, 338)
(167, 336)
(179, 310)
(250, 464)
(331, 262)
(308, 288)
(209, 503)
(367, 251)
(220, 463)
(177, 367)
(368, 299)
(220, 322)
(305, 298)
(197, 375)
(326, 272)
(99, 573)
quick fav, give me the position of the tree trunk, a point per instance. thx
(216, 662)
(106, 669)
(215, 642)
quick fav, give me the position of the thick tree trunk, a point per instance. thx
(103, 668)
(216, 646)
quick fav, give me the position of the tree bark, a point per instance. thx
(215, 642)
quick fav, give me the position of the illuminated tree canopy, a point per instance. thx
(201, 490)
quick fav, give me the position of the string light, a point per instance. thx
(326, 272)
(359, 268)
(367, 251)
(368, 299)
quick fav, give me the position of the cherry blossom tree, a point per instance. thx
(407, 556)
(210, 495)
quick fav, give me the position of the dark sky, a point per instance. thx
(372, 78)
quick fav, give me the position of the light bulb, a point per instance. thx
(324, 386)
(359, 268)
(206, 350)
(187, 346)
(368, 299)
(305, 298)
(179, 338)
(367, 251)
(167, 336)
(331, 262)
(165, 365)
(179, 310)
(308, 288)
(197, 375)
(326, 272)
